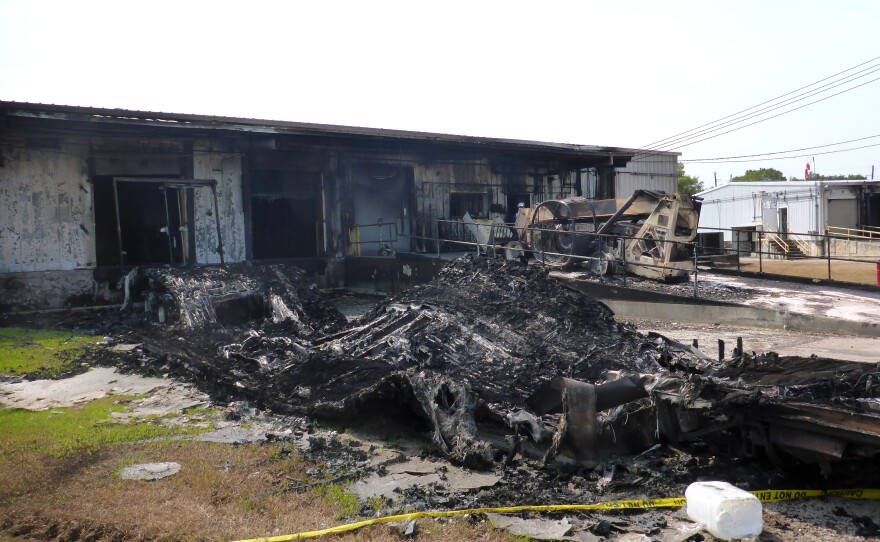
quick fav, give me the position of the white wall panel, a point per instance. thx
(659, 172)
(225, 168)
(46, 217)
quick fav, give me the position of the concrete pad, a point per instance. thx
(539, 528)
(849, 348)
(783, 342)
(419, 472)
(95, 384)
(150, 471)
(172, 398)
(818, 300)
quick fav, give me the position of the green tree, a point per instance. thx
(763, 174)
(687, 184)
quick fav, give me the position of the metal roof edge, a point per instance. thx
(208, 122)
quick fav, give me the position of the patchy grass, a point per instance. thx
(60, 472)
(221, 493)
(64, 432)
(41, 353)
(338, 496)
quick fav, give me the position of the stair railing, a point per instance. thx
(803, 245)
(780, 244)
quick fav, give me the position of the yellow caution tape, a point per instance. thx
(777, 495)
(772, 495)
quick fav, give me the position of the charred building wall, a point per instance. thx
(86, 194)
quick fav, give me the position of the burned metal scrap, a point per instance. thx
(491, 352)
(236, 295)
(468, 349)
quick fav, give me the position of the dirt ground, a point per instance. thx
(854, 272)
(781, 341)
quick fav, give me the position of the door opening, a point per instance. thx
(286, 214)
(783, 222)
(513, 201)
(143, 222)
(382, 196)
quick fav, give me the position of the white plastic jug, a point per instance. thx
(725, 510)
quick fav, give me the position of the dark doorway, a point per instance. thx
(783, 222)
(382, 195)
(872, 220)
(461, 203)
(143, 223)
(605, 182)
(284, 228)
(513, 201)
(286, 215)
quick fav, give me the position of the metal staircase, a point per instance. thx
(790, 249)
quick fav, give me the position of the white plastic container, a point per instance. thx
(725, 510)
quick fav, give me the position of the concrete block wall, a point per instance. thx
(849, 248)
(54, 290)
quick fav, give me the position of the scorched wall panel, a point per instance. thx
(226, 169)
(46, 218)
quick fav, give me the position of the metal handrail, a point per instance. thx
(803, 245)
(778, 241)
(852, 233)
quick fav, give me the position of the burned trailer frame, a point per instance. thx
(650, 233)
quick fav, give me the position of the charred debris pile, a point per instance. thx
(494, 358)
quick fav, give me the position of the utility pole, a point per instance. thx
(872, 173)
(716, 177)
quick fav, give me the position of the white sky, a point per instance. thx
(611, 73)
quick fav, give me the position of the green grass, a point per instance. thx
(64, 432)
(345, 501)
(41, 353)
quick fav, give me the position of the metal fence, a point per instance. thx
(751, 244)
(766, 245)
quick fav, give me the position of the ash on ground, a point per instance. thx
(705, 288)
(496, 366)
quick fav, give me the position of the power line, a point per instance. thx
(768, 109)
(784, 157)
(647, 155)
(762, 103)
(780, 152)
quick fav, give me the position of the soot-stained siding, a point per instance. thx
(46, 217)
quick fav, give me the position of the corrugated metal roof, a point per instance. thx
(172, 120)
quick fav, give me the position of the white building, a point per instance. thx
(795, 207)
(797, 210)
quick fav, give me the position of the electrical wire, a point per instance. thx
(785, 157)
(762, 103)
(648, 155)
(780, 152)
(715, 126)
(774, 107)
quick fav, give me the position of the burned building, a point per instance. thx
(86, 193)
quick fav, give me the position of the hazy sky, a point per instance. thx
(611, 73)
